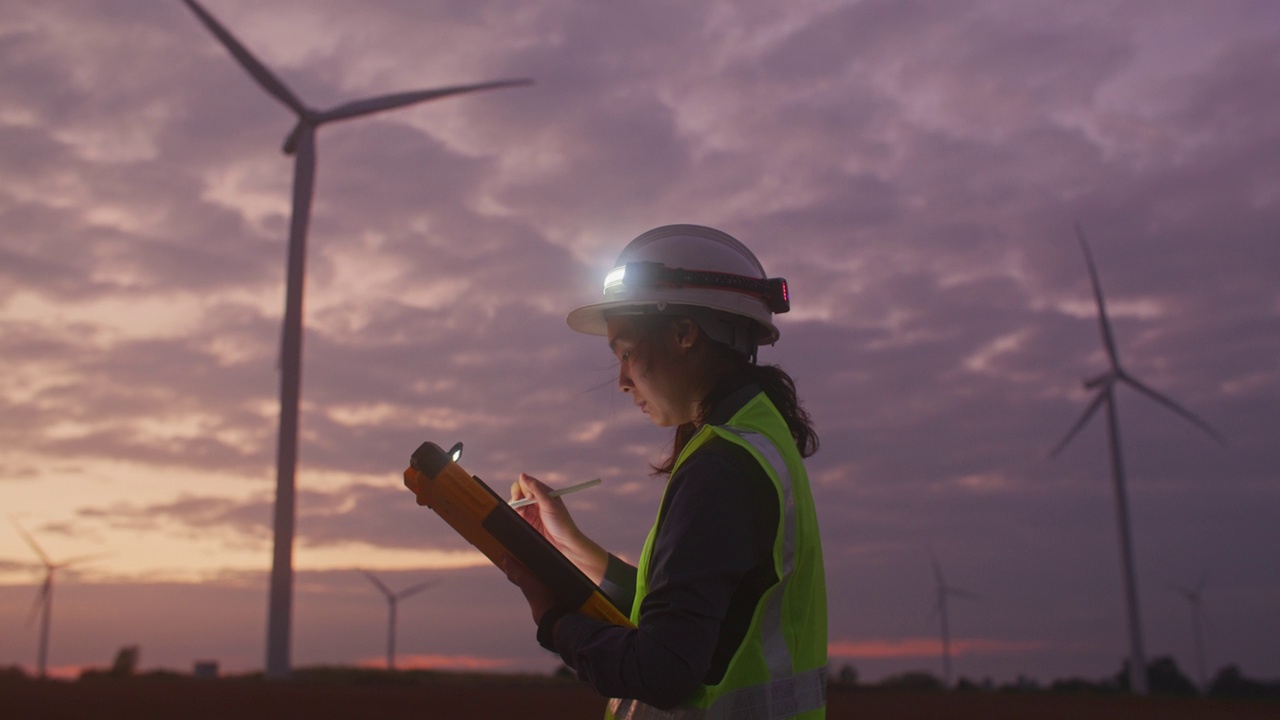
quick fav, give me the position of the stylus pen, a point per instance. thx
(556, 493)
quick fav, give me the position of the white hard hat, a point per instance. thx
(690, 270)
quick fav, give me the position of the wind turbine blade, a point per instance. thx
(414, 590)
(1088, 412)
(255, 68)
(42, 598)
(385, 590)
(388, 102)
(31, 542)
(1169, 403)
(1107, 339)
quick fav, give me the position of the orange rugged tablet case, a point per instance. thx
(478, 514)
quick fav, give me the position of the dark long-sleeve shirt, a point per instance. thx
(712, 559)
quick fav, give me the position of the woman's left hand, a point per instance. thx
(536, 592)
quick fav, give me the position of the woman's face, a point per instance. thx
(658, 376)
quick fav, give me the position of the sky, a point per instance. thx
(914, 169)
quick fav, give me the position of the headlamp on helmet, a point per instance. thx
(728, 288)
(648, 274)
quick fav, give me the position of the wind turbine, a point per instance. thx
(1195, 598)
(942, 589)
(1104, 385)
(43, 604)
(301, 143)
(392, 599)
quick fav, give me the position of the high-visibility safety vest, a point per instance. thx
(780, 669)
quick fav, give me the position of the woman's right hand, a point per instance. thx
(549, 516)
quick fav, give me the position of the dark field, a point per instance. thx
(536, 698)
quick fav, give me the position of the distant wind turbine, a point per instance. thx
(1196, 599)
(942, 590)
(301, 143)
(1105, 384)
(392, 599)
(43, 605)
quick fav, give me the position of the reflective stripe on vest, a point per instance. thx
(786, 693)
(775, 642)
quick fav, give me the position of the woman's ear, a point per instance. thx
(685, 332)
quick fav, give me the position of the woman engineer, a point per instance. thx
(728, 597)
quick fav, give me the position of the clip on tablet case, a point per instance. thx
(477, 513)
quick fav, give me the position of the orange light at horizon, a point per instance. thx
(438, 662)
(926, 647)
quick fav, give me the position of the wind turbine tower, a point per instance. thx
(392, 599)
(1104, 386)
(43, 604)
(1196, 599)
(942, 590)
(301, 144)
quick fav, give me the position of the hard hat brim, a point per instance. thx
(594, 319)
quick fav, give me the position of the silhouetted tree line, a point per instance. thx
(1163, 674)
(1164, 678)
